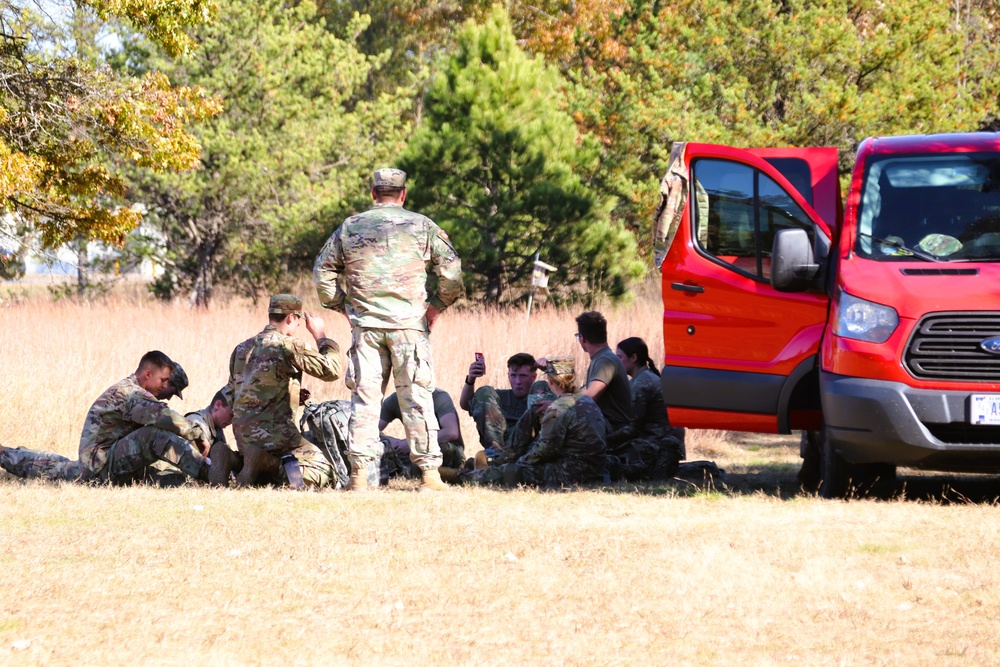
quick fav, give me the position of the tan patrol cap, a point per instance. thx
(284, 304)
(389, 178)
(561, 365)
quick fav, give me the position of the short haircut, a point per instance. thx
(593, 327)
(274, 318)
(521, 359)
(387, 192)
(154, 359)
(220, 396)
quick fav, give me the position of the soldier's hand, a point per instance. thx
(315, 325)
(542, 406)
(477, 368)
(541, 363)
(432, 315)
(204, 446)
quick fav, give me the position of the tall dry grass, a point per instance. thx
(620, 576)
(59, 356)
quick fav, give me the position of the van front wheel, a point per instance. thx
(834, 471)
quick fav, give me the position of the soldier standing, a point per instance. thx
(375, 269)
(269, 370)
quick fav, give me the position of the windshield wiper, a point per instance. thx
(908, 252)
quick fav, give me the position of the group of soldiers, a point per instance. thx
(391, 272)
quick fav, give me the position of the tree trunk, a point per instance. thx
(82, 279)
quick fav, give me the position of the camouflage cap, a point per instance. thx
(284, 304)
(178, 380)
(389, 178)
(561, 365)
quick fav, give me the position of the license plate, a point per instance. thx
(984, 409)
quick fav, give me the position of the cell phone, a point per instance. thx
(479, 356)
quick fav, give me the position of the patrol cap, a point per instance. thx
(565, 365)
(284, 304)
(389, 178)
(178, 379)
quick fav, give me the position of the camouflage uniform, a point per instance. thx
(569, 449)
(452, 453)
(127, 429)
(496, 412)
(31, 463)
(648, 448)
(268, 371)
(203, 419)
(377, 268)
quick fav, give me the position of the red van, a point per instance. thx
(874, 327)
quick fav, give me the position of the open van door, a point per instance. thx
(740, 353)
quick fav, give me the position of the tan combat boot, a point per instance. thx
(359, 480)
(432, 481)
(482, 462)
(257, 462)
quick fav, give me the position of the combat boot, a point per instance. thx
(257, 462)
(432, 481)
(482, 461)
(224, 462)
(450, 475)
(359, 480)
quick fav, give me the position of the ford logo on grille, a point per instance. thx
(991, 345)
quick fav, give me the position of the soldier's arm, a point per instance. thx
(447, 267)
(324, 364)
(328, 274)
(551, 438)
(147, 411)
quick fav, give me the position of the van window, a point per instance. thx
(737, 212)
(941, 206)
(798, 173)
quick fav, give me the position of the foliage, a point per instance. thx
(502, 168)
(285, 157)
(69, 126)
(762, 73)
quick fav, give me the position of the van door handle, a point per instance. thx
(681, 287)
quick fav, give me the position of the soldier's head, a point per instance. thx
(285, 311)
(221, 411)
(521, 373)
(177, 383)
(634, 355)
(592, 331)
(561, 374)
(153, 372)
(389, 186)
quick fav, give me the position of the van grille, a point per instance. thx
(945, 346)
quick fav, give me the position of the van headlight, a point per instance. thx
(864, 320)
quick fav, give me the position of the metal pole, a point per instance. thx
(531, 294)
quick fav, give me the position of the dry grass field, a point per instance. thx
(751, 571)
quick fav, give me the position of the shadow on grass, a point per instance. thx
(780, 480)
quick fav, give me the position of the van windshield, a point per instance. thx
(946, 206)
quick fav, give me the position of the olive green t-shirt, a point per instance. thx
(615, 401)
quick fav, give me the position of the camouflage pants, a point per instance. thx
(374, 354)
(643, 459)
(490, 421)
(551, 475)
(129, 458)
(34, 464)
(396, 463)
(317, 470)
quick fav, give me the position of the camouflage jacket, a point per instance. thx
(649, 413)
(267, 394)
(376, 267)
(126, 407)
(203, 419)
(572, 435)
(237, 362)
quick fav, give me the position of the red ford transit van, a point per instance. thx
(873, 326)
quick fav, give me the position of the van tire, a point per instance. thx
(834, 471)
(809, 474)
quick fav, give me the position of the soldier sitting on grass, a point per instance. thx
(126, 430)
(496, 411)
(568, 449)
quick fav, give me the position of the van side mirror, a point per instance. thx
(793, 265)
